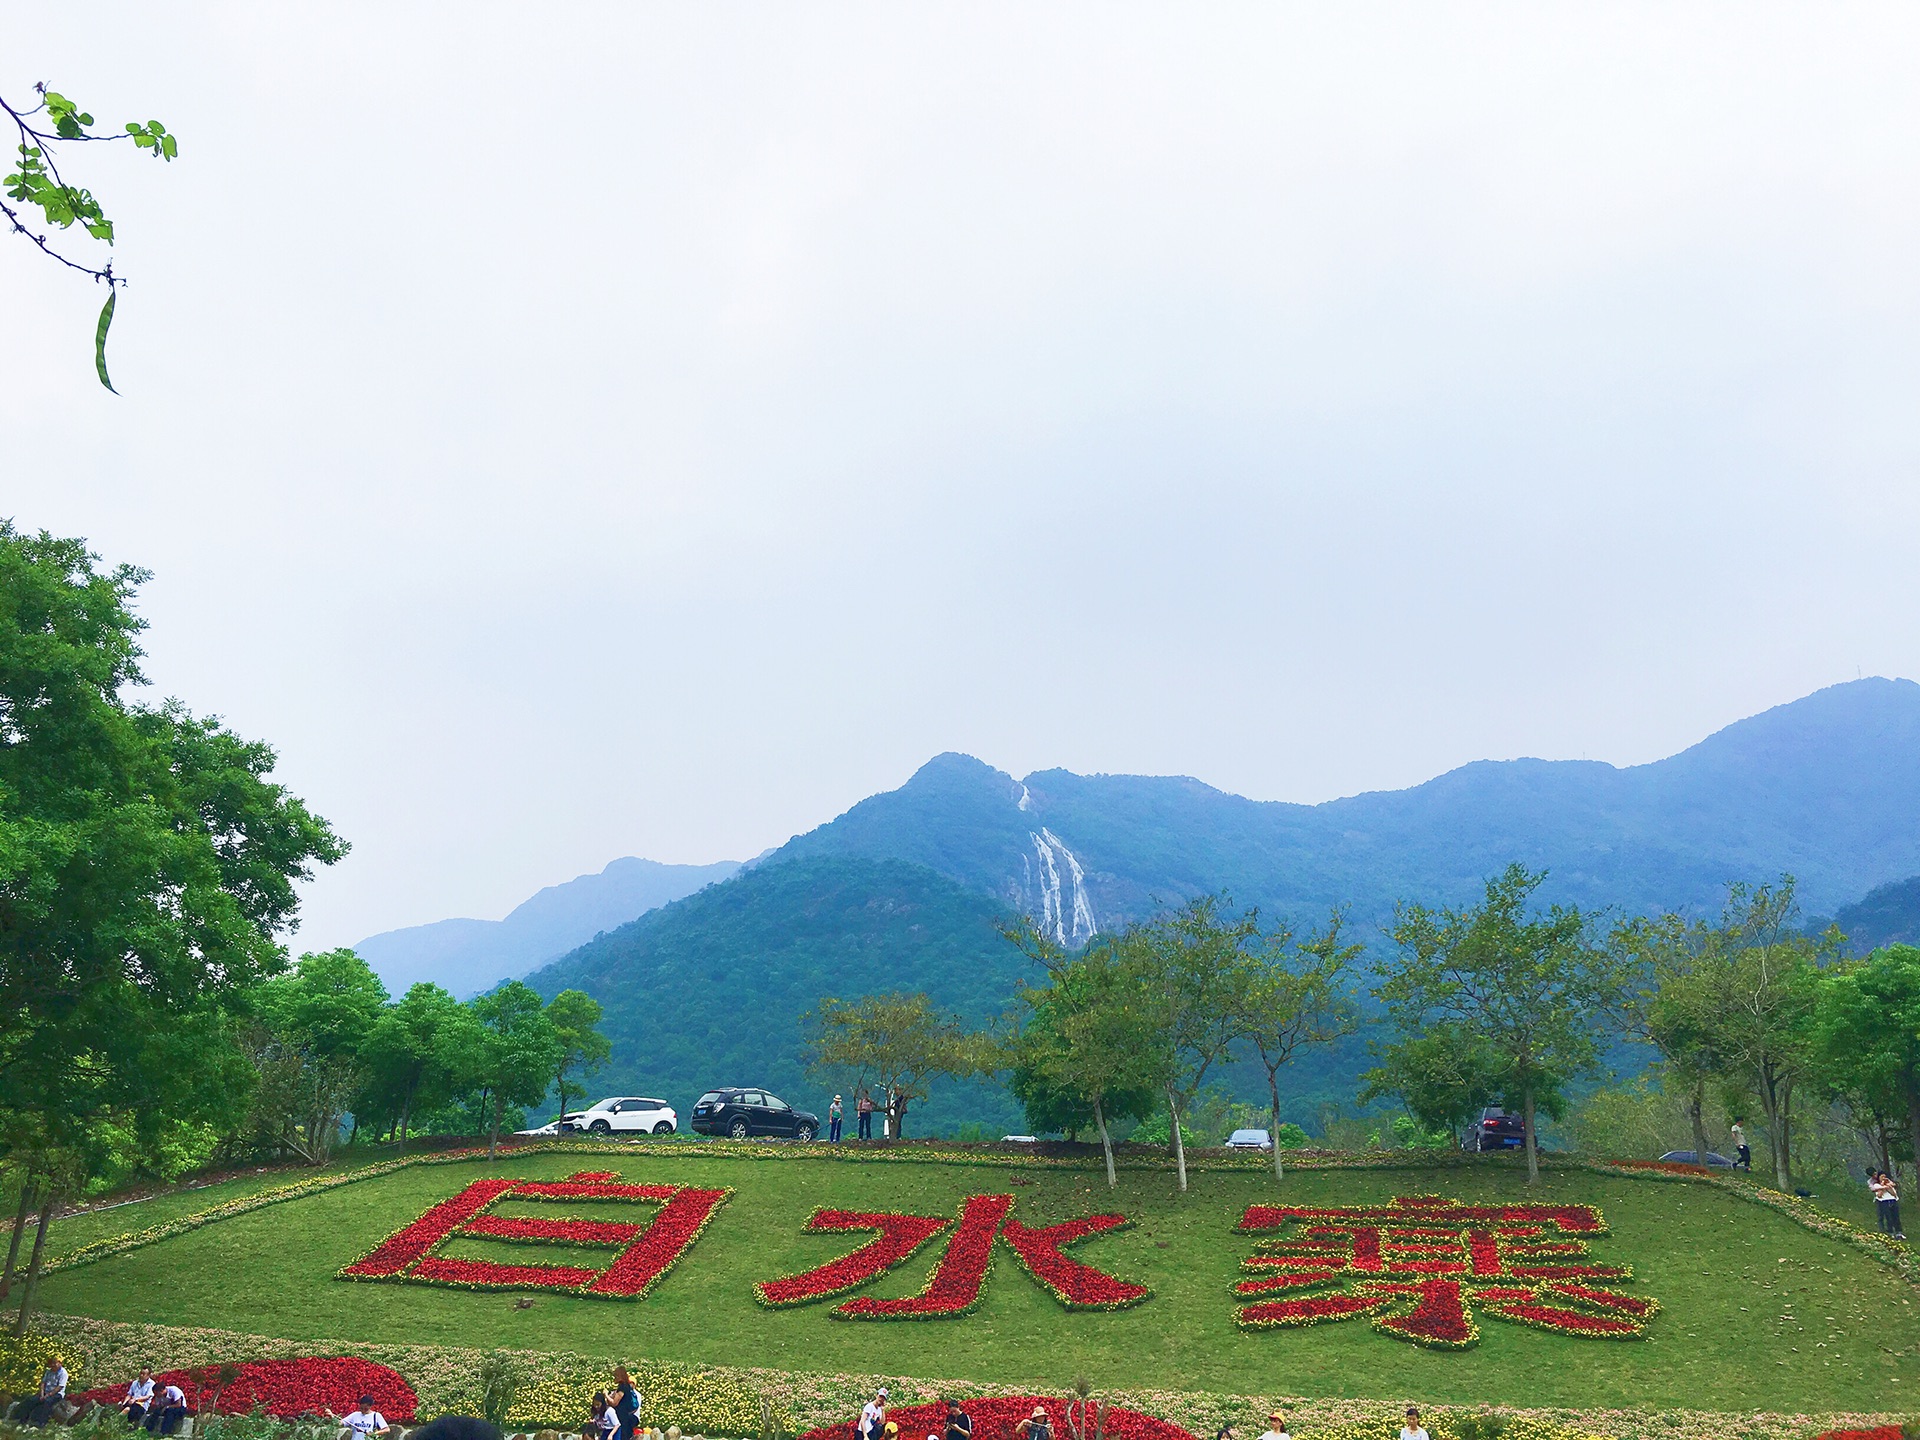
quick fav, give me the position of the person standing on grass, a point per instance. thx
(1886, 1203)
(833, 1121)
(863, 1106)
(626, 1403)
(1413, 1429)
(1745, 1160)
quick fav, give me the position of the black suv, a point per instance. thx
(1496, 1130)
(740, 1113)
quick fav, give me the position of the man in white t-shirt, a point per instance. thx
(873, 1416)
(366, 1421)
(166, 1413)
(139, 1397)
(1276, 1427)
(1413, 1430)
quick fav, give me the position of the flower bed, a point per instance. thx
(650, 1250)
(1074, 1285)
(899, 1237)
(315, 1385)
(995, 1418)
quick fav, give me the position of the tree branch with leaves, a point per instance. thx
(36, 181)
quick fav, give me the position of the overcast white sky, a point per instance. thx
(577, 431)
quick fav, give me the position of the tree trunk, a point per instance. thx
(1783, 1139)
(1106, 1141)
(406, 1115)
(1533, 1145)
(1913, 1125)
(33, 1266)
(1179, 1145)
(493, 1135)
(1273, 1123)
(27, 1193)
(1697, 1113)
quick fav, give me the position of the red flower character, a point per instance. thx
(1422, 1266)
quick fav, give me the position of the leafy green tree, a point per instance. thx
(576, 1019)
(1866, 1036)
(1674, 955)
(1091, 1043)
(36, 181)
(1444, 1075)
(1200, 983)
(899, 1040)
(315, 1025)
(517, 1052)
(146, 865)
(413, 1054)
(1532, 988)
(1296, 998)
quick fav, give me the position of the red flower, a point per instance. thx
(650, 1252)
(286, 1388)
(995, 1419)
(1077, 1286)
(955, 1286)
(1880, 1432)
(899, 1237)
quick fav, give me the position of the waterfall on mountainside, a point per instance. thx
(1064, 911)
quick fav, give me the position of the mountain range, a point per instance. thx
(904, 889)
(468, 956)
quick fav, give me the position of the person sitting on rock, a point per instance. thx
(138, 1398)
(166, 1413)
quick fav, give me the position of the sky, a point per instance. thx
(574, 432)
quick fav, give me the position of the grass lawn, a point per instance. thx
(1757, 1312)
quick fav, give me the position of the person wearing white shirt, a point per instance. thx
(1413, 1430)
(139, 1397)
(873, 1416)
(1276, 1427)
(165, 1414)
(53, 1390)
(364, 1421)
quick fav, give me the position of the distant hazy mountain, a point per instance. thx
(1827, 787)
(1888, 915)
(900, 892)
(467, 956)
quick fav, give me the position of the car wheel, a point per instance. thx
(738, 1129)
(665, 1127)
(600, 1127)
(805, 1132)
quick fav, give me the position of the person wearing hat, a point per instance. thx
(959, 1423)
(1276, 1427)
(873, 1417)
(1035, 1426)
(1413, 1429)
(833, 1120)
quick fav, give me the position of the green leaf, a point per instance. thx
(169, 147)
(134, 128)
(154, 127)
(100, 340)
(144, 141)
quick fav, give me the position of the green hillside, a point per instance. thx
(1754, 1311)
(711, 990)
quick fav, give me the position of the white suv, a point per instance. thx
(621, 1112)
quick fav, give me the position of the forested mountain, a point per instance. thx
(1886, 915)
(1825, 787)
(467, 956)
(902, 890)
(711, 990)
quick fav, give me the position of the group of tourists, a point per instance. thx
(615, 1414)
(874, 1425)
(893, 1114)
